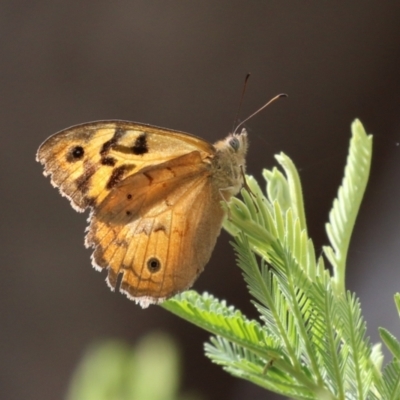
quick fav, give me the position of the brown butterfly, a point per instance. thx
(155, 198)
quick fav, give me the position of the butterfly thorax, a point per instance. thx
(229, 163)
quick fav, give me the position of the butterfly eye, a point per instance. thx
(153, 264)
(234, 143)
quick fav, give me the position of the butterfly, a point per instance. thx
(155, 198)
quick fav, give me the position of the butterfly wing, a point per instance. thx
(86, 161)
(157, 228)
(155, 212)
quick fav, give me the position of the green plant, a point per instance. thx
(113, 370)
(310, 341)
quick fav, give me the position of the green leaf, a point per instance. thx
(294, 186)
(112, 370)
(244, 364)
(389, 387)
(347, 203)
(216, 317)
(391, 342)
(397, 302)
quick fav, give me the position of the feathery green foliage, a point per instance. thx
(310, 343)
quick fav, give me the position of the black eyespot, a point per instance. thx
(234, 143)
(153, 264)
(128, 213)
(75, 153)
(78, 152)
(128, 196)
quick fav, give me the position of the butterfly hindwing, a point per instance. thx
(146, 227)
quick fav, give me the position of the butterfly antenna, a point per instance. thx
(241, 100)
(260, 109)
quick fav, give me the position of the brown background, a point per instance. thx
(181, 65)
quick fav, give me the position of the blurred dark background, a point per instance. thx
(181, 65)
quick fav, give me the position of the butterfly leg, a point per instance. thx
(225, 201)
(245, 184)
(267, 366)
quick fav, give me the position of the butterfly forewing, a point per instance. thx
(88, 160)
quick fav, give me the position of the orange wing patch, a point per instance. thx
(145, 228)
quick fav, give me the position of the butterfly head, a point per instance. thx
(230, 162)
(235, 146)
